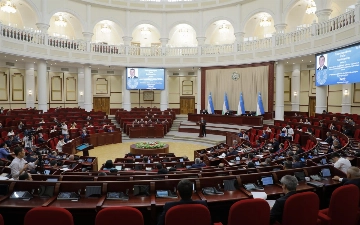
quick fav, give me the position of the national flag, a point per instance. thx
(210, 107)
(225, 105)
(260, 106)
(241, 107)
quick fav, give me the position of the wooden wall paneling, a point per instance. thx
(71, 89)
(56, 88)
(356, 93)
(101, 86)
(4, 86)
(17, 87)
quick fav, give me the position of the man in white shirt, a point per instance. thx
(28, 141)
(64, 129)
(289, 132)
(60, 144)
(340, 163)
(19, 165)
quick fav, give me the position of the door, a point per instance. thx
(312, 104)
(102, 104)
(187, 104)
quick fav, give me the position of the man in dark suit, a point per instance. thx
(161, 170)
(289, 184)
(275, 145)
(232, 151)
(227, 113)
(352, 177)
(202, 123)
(321, 63)
(204, 111)
(185, 190)
(329, 138)
(297, 163)
(198, 164)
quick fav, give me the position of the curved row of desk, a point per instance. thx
(84, 210)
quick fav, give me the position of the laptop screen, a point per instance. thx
(267, 180)
(52, 179)
(181, 160)
(118, 167)
(47, 172)
(237, 158)
(137, 157)
(323, 161)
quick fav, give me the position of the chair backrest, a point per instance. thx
(343, 208)
(1, 220)
(46, 215)
(301, 208)
(124, 215)
(242, 212)
(184, 214)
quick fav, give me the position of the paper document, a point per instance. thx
(271, 203)
(261, 195)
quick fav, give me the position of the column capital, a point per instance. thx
(43, 27)
(127, 40)
(323, 14)
(239, 36)
(88, 36)
(280, 27)
(201, 40)
(164, 41)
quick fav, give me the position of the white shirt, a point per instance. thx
(288, 132)
(11, 133)
(342, 164)
(18, 164)
(64, 129)
(27, 142)
(59, 146)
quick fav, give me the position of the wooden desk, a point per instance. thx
(238, 120)
(106, 138)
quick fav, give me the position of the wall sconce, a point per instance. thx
(81, 93)
(30, 92)
(295, 93)
(346, 92)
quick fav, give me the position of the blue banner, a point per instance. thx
(145, 79)
(210, 107)
(241, 107)
(260, 107)
(338, 67)
(225, 105)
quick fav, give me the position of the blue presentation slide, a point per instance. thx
(145, 79)
(338, 67)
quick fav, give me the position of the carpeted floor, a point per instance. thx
(113, 151)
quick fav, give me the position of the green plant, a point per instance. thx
(150, 145)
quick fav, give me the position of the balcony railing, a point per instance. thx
(282, 39)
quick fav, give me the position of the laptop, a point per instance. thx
(89, 160)
(52, 179)
(267, 180)
(181, 160)
(323, 161)
(237, 158)
(165, 194)
(137, 157)
(68, 196)
(21, 195)
(118, 167)
(47, 172)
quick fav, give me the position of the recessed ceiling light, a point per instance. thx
(293, 63)
(310, 61)
(302, 60)
(55, 63)
(34, 62)
(287, 62)
(5, 56)
(16, 60)
(22, 59)
(50, 64)
(179, 69)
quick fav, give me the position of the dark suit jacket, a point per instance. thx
(277, 210)
(163, 171)
(356, 182)
(324, 68)
(329, 140)
(298, 164)
(276, 146)
(168, 205)
(199, 165)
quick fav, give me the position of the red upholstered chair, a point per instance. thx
(242, 212)
(1, 220)
(42, 216)
(300, 209)
(120, 215)
(188, 214)
(343, 207)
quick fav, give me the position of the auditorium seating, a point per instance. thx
(188, 214)
(120, 216)
(343, 208)
(46, 215)
(242, 212)
(301, 209)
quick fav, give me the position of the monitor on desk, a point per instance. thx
(323, 161)
(137, 157)
(267, 180)
(118, 167)
(181, 160)
(52, 179)
(237, 158)
(89, 160)
(82, 147)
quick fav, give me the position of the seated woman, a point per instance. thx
(300, 121)
(42, 121)
(11, 133)
(21, 125)
(73, 126)
(268, 130)
(307, 122)
(108, 165)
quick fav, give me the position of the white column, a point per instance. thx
(321, 99)
(81, 86)
(198, 100)
(346, 98)
(126, 102)
(30, 92)
(87, 89)
(42, 86)
(164, 95)
(295, 88)
(279, 97)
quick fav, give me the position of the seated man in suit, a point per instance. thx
(227, 113)
(329, 138)
(232, 151)
(161, 170)
(352, 177)
(198, 164)
(204, 111)
(41, 139)
(289, 184)
(185, 190)
(297, 163)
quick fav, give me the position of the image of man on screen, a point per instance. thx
(322, 65)
(132, 73)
